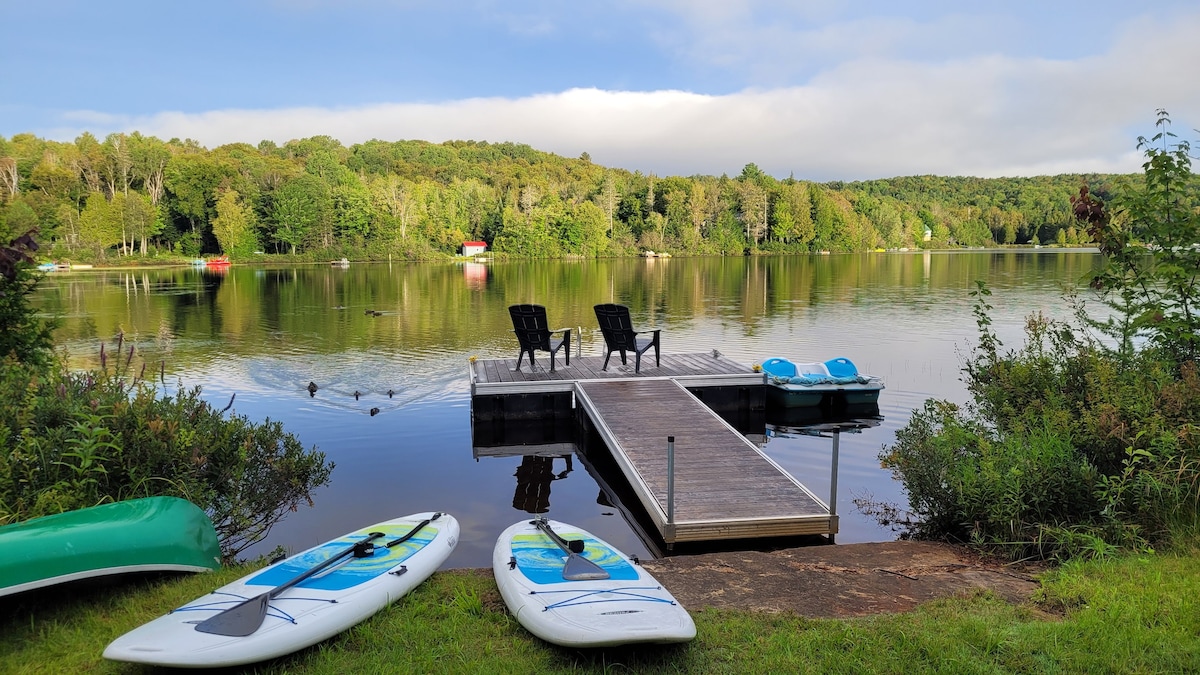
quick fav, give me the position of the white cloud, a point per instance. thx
(985, 115)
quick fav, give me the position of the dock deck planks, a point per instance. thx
(725, 487)
(499, 376)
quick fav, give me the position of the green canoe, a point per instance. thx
(140, 535)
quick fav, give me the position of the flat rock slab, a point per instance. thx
(837, 581)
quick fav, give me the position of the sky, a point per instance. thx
(816, 89)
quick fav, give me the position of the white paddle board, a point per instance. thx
(627, 606)
(343, 594)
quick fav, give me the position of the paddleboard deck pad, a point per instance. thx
(323, 605)
(628, 607)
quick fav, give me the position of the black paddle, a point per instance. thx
(577, 567)
(414, 531)
(247, 616)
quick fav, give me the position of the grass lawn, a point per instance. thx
(1135, 614)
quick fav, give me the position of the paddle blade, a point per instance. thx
(240, 620)
(579, 568)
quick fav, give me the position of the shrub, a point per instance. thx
(24, 337)
(1066, 448)
(77, 439)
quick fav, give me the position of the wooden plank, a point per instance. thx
(725, 487)
(723, 483)
(697, 369)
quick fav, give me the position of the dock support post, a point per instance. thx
(833, 480)
(670, 479)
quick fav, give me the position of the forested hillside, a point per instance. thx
(139, 196)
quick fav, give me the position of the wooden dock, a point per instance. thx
(500, 376)
(725, 487)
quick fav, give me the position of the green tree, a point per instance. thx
(827, 220)
(191, 180)
(16, 216)
(792, 214)
(589, 230)
(100, 224)
(392, 198)
(235, 225)
(26, 338)
(301, 206)
(140, 220)
(1152, 250)
(149, 157)
(753, 202)
(352, 212)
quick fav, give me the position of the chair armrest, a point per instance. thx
(561, 330)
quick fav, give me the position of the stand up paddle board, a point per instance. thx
(296, 602)
(573, 589)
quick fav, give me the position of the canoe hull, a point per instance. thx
(154, 534)
(627, 608)
(314, 610)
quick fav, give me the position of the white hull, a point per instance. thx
(629, 607)
(318, 608)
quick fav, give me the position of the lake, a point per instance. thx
(263, 333)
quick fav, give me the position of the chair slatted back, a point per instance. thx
(531, 326)
(616, 326)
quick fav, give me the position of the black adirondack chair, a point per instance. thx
(533, 332)
(619, 336)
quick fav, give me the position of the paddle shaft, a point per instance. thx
(286, 585)
(414, 531)
(247, 616)
(562, 543)
(577, 567)
(374, 535)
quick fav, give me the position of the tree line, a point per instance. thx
(139, 196)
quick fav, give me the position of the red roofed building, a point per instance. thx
(474, 247)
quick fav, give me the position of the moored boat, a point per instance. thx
(834, 382)
(153, 534)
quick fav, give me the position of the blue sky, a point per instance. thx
(818, 89)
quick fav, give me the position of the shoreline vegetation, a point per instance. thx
(166, 262)
(1080, 447)
(131, 196)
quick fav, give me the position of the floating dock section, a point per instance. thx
(709, 482)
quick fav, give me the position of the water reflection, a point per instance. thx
(264, 333)
(783, 422)
(534, 477)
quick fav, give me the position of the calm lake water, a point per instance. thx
(265, 333)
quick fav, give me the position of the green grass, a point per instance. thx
(1138, 614)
